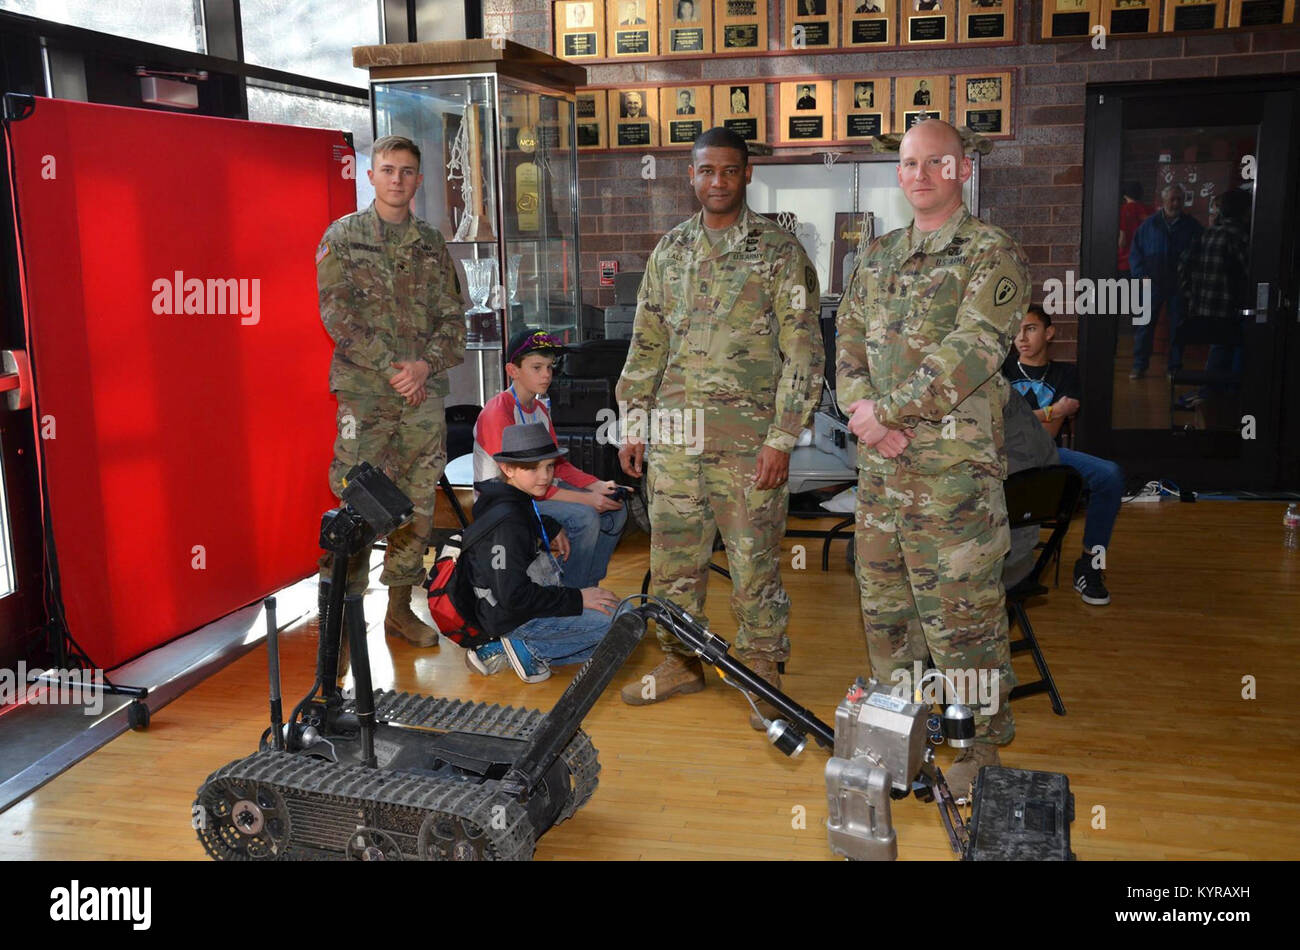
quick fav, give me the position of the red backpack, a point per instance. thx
(443, 581)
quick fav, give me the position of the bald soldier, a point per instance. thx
(725, 333)
(927, 318)
(391, 301)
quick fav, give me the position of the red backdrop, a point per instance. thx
(187, 470)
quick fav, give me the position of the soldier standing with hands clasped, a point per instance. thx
(390, 298)
(726, 330)
(924, 324)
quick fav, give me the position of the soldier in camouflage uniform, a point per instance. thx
(726, 333)
(925, 323)
(390, 298)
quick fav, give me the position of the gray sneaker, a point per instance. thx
(488, 659)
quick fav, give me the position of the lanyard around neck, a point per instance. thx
(546, 538)
(524, 413)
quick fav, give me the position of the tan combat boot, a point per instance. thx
(961, 776)
(401, 621)
(765, 669)
(676, 675)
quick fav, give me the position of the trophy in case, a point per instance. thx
(480, 320)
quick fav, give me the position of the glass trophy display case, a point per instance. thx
(495, 125)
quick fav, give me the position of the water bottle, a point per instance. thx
(1291, 529)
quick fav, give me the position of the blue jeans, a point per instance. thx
(1144, 335)
(1105, 483)
(593, 535)
(561, 640)
(1224, 358)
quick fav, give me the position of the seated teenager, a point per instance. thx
(1053, 391)
(581, 502)
(508, 581)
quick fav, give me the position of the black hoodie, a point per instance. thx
(493, 590)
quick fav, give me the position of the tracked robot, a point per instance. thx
(382, 775)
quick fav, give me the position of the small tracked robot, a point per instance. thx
(398, 776)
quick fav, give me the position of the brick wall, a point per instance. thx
(1032, 185)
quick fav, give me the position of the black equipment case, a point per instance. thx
(1020, 815)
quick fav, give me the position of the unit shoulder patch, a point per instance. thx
(1005, 291)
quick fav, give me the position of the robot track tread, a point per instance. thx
(394, 807)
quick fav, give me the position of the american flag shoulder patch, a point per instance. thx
(322, 252)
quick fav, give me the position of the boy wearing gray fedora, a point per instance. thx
(508, 582)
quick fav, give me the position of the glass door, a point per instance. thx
(1187, 294)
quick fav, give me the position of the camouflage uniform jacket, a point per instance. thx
(922, 329)
(730, 330)
(384, 303)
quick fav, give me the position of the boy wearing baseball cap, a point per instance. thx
(582, 503)
(508, 581)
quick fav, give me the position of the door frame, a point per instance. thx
(23, 616)
(1272, 461)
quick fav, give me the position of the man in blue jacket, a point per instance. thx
(1158, 244)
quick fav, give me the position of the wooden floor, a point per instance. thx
(1165, 757)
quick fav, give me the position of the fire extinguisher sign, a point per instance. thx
(608, 269)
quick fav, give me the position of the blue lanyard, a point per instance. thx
(524, 416)
(546, 538)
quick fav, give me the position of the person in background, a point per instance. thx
(1158, 244)
(1132, 212)
(1053, 392)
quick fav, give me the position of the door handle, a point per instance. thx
(16, 378)
(1263, 299)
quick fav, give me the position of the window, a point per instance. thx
(176, 23)
(311, 38)
(291, 108)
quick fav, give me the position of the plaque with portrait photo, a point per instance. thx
(684, 112)
(811, 24)
(1260, 12)
(590, 118)
(580, 29)
(1183, 15)
(917, 98)
(926, 22)
(984, 102)
(868, 23)
(1130, 17)
(631, 28)
(861, 108)
(742, 108)
(805, 112)
(986, 21)
(740, 26)
(633, 118)
(685, 27)
(1070, 18)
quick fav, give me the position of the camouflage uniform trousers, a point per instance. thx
(409, 443)
(928, 552)
(694, 497)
